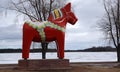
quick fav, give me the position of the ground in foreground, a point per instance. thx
(76, 67)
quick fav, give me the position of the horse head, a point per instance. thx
(63, 13)
(71, 18)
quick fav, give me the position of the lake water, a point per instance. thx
(12, 58)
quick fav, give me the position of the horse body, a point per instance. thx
(52, 30)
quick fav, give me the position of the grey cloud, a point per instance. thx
(10, 32)
(4, 4)
(88, 13)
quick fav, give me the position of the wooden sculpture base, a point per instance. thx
(44, 64)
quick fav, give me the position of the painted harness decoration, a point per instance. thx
(46, 31)
(41, 26)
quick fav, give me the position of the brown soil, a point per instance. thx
(76, 67)
(94, 69)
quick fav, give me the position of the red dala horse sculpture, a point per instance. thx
(46, 31)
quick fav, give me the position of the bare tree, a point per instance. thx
(110, 23)
(36, 10)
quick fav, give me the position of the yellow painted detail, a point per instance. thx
(57, 15)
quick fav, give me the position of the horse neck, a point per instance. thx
(61, 22)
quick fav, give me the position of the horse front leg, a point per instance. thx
(60, 47)
(27, 39)
(26, 46)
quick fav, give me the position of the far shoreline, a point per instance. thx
(37, 50)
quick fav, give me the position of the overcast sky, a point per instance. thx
(84, 34)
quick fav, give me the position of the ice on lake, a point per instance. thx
(12, 58)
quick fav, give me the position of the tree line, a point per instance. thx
(92, 49)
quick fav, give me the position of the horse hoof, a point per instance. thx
(25, 58)
(61, 58)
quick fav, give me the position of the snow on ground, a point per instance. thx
(12, 58)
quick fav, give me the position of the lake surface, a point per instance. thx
(12, 58)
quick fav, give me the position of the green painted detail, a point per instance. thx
(40, 28)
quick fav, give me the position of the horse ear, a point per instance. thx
(68, 7)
